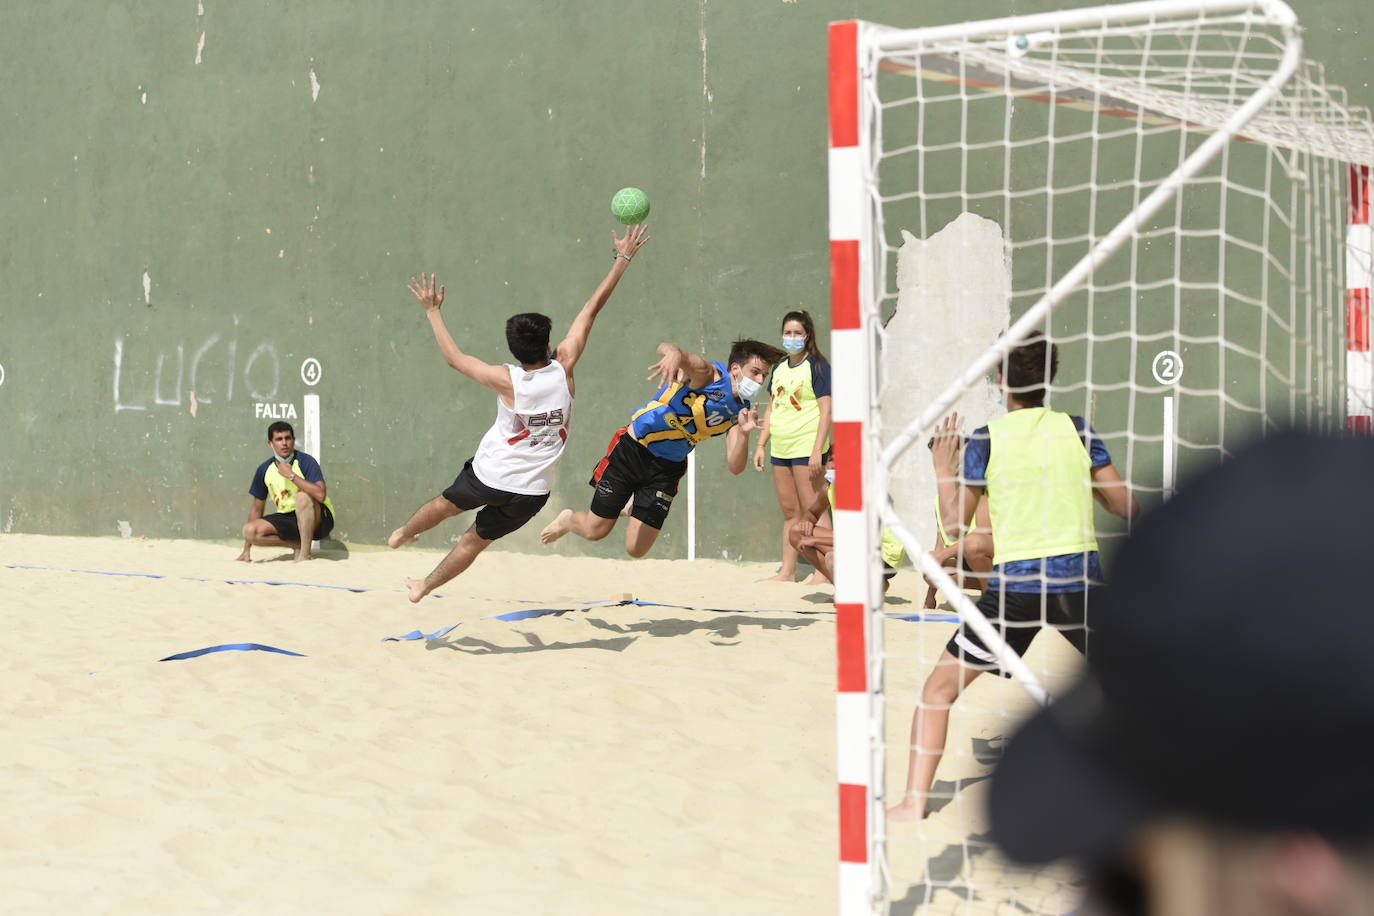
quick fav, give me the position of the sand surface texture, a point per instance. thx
(612, 759)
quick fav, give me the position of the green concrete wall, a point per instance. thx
(184, 143)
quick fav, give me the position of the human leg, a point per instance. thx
(583, 524)
(978, 551)
(639, 537)
(786, 489)
(456, 561)
(502, 513)
(426, 517)
(941, 556)
(307, 516)
(816, 548)
(810, 490)
(1015, 617)
(262, 532)
(929, 729)
(466, 492)
(616, 481)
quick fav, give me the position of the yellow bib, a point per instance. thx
(1039, 486)
(283, 491)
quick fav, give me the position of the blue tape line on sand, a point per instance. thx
(925, 618)
(232, 647)
(416, 634)
(103, 572)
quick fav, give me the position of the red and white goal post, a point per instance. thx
(1183, 206)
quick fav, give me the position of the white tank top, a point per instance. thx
(520, 453)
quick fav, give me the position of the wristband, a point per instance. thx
(619, 254)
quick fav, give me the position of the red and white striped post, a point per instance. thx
(1359, 264)
(858, 600)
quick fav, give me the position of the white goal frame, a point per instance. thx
(862, 507)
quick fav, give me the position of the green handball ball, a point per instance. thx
(630, 206)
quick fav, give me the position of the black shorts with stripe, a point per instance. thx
(631, 470)
(1018, 616)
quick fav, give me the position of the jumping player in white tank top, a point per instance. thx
(512, 473)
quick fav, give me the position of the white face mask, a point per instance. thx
(747, 387)
(287, 460)
(794, 344)
(830, 477)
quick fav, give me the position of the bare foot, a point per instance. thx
(908, 809)
(243, 557)
(398, 539)
(303, 555)
(780, 577)
(556, 528)
(817, 578)
(417, 590)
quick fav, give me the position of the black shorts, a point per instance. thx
(630, 469)
(1018, 616)
(502, 511)
(289, 530)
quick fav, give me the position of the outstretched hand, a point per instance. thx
(424, 290)
(635, 237)
(669, 369)
(945, 446)
(748, 420)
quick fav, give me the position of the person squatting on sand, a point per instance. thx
(967, 559)
(296, 486)
(646, 459)
(816, 542)
(510, 476)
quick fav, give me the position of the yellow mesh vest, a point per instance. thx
(796, 413)
(283, 492)
(1039, 483)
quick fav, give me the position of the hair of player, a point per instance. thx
(527, 335)
(742, 350)
(1028, 369)
(280, 426)
(803, 317)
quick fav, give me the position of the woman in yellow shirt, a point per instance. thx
(796, 431)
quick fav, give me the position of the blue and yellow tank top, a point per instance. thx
(672, 424)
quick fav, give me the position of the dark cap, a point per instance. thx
(1230, 671)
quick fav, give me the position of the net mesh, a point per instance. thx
(996, 164)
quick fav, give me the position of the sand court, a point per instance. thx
(609, 759)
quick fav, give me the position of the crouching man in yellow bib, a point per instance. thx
(294, 482)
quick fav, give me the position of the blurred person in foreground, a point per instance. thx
(1216, 757)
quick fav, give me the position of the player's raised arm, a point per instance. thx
(431, 297)
(569, 351)
(677, 365)
(957, 502)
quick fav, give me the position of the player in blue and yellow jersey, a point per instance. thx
(295, 484)
(698, 400)
(1039, 471)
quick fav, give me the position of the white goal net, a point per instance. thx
(1178, 201)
